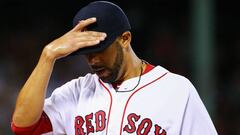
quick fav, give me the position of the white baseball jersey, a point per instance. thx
(162, 104)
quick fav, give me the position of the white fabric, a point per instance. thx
(169, 103)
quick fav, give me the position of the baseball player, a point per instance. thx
(125, 95)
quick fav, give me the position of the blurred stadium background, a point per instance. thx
(199, 39)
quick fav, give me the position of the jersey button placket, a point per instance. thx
(118, 103)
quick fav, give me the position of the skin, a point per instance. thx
(118, 62)
(99, 62)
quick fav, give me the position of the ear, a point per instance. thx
(125, 39)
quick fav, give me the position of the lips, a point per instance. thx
(98, 69)
(102, 73)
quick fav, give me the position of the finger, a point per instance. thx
(89, 38)
(90, 35)
(93, 33)
(89, 43)
(80, 45)
(83, 23)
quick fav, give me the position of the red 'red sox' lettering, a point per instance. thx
(90, 128)
(143, 128)
(78, 125)
(159, 130)
(100, 123)
(131, 127)
(147, 123)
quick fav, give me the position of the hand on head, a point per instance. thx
(75, 39)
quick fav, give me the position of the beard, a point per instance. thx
(112, 73)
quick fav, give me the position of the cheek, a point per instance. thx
(109, 56)
(109, 59)
(109, 62)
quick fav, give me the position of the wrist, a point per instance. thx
(48, 55)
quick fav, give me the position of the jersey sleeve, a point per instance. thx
(43, 126)
(60, 103)
(196, 120)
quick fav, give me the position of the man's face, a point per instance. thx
(107, 63)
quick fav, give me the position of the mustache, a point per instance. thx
(97, 67)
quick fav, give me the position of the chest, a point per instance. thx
(143, 111)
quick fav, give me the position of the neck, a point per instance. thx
(132, 67)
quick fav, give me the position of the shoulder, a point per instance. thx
(171, 77)
(75, 87)
(179, 80)
(80, 82)
(174, 82)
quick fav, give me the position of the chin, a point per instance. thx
(107, 79)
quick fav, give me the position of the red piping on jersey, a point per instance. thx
(110, 104)
(125, 108)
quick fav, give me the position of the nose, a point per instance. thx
(92, 59)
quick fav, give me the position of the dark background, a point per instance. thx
(163, 34)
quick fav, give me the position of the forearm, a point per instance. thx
(31, 98)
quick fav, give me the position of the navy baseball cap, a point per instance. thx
(110, 19)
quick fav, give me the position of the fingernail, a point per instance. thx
(94, 18)
(97, 41)
(104, 35)
(102, 38)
